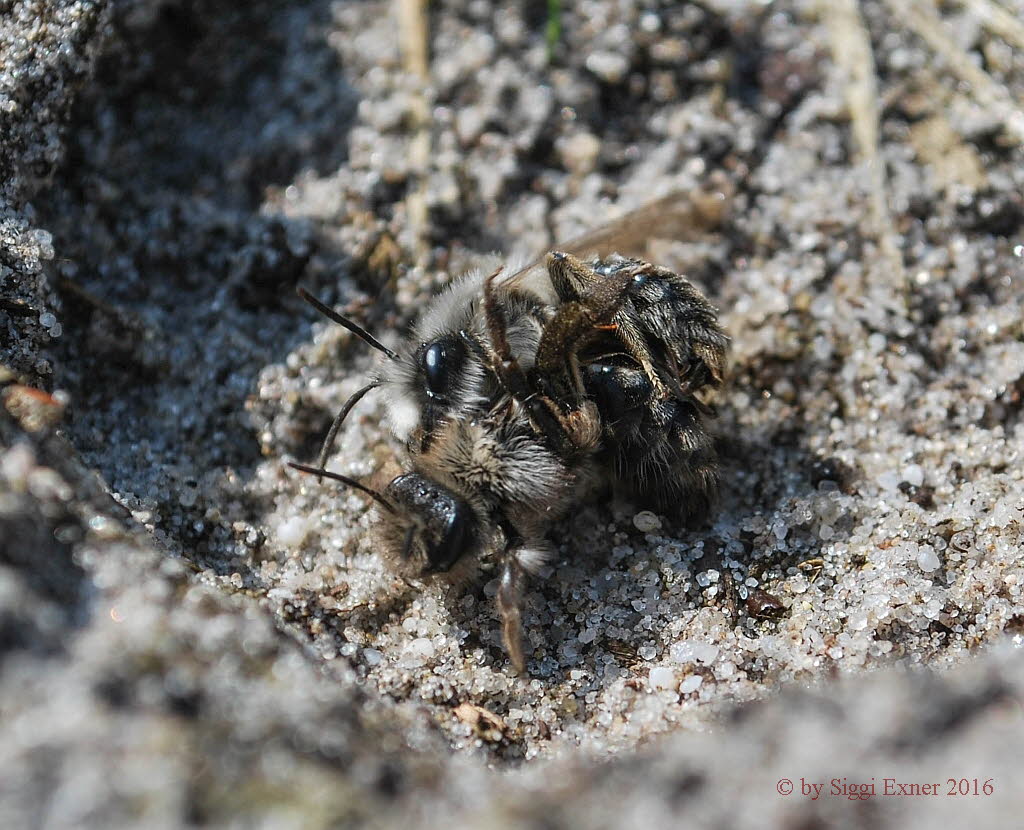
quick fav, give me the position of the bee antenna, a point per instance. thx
(332, 433)
(351, 482)
(357, 330)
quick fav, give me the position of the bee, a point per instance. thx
(645, 370)
(516, 394)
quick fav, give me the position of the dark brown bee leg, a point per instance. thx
(572, 278)
(511, 587)
(632, 338)
(563, 433)
(503, 362)
(575, 281)
(575, 323)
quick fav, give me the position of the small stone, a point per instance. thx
(419, 650)
(691, 684)
(913, 475)
(579, 153)
(681, 652)
(608, 66)
(292, 532)
(927, 560)
(646, 522)
(662, 678)
(705, 653)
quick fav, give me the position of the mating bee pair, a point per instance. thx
(515, 394)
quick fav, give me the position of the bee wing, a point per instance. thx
(683, 215)
(531, 278)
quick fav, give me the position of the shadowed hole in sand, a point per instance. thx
(178, 283)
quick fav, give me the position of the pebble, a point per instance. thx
(419, 650)
(928, 560)
(662, 678)
(580, 152)
(608, 66)
(646, 522)
(292, 531)
(913, 475)
(690, 684)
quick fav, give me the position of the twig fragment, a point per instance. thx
(998, 20)
(923, 19)
(414, 36)
(851, 48)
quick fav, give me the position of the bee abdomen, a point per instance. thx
(659, 448)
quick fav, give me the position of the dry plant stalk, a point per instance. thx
(851, 49)
(414, 37)
(925, 22)
(998, 20)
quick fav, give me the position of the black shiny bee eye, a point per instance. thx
(442, 361)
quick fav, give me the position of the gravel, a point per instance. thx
(193, 633)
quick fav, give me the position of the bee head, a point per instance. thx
(432, 528)
(440, 375)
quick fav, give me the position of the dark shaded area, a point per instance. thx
(46, 590)
(173, 281)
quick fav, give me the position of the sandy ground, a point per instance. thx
(193, 633)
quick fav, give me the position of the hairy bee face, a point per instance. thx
(443, 372)
(481, 483)
(436, 375)
(473, 454)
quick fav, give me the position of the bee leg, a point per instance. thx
(505, 363)
(567, 428)
(575, 281)
(511, 586)
(572, 278)
(557, 366)
(636, 346)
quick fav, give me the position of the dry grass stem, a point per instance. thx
(925, 22)
(414, 35)
(998, 20)
(851, 49)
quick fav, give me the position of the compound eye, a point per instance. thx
(442, 361)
